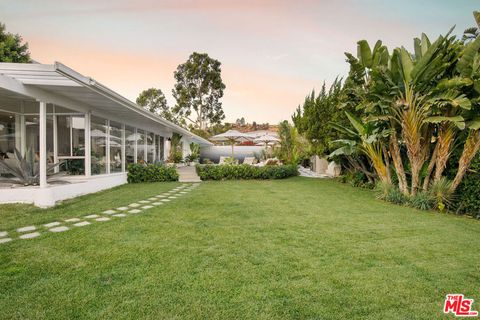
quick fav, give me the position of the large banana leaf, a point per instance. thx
(465, 64)
(474, 124)
(364, 53)
(423, 63)
(476, 16)
(454, 83)
(459, 121)
(356, 123)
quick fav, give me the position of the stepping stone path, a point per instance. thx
(82, 224)
(59, 229)
(26, 229)
(120, 215)
(51, 224)
(29, 235)
(30, 232)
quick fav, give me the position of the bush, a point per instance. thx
(422, 201)
(151, 173)
(356, 179)
(245, 172)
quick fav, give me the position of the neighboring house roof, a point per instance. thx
(66, 82)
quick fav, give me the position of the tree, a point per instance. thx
(154, 101)
(11, 47)
(198, 90)
(314, 118)
(473, 32)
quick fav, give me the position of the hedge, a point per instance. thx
(245, 172)
(151, 173)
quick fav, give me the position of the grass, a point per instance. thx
(296, 248)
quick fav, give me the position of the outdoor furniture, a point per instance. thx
(232, 136)
(249, 160)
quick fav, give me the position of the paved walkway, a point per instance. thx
(34, 231)
(188, 174)
(306, 172)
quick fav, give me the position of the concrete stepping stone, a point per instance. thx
(102, 219)
(135, 211)
(157, 203)
(161, 196)
(134, 205)
(52, 224)
(29, 235)
(165, 200)
(82, 224)
(3, 234)
(147, 207)
(92, 216)
(26, 229)
(172, 197)
(59, 229)
(152, 199)
(119, 215)
(5, 240)
(72, 220)
(143, 201)
(122, 208)
(109, 212)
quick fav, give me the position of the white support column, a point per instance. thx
(43, 144)
(123, 148)
(167, 146)
(145, 140)
(55, 140)
(88, 147)
(107, 146)
(135, 146)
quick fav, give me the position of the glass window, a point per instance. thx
(115, 147)
(70, 136)
(129, 145)
(140, 146)
(150, 147)
(9, 134)
(32, 136)
(98, 135)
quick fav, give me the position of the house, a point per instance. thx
(66, 117)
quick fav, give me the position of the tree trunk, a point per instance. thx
(431, 165)
(470, 149)
(397, 163)
(445, 140)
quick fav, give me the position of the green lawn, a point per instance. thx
(296, 248)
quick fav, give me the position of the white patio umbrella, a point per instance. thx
(267, 139)
(232, 136)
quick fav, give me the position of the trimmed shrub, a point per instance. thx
(151, 173)
(245, 172)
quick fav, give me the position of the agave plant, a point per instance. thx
(24, 168)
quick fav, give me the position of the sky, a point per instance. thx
(273, 52)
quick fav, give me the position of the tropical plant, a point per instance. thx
(175, 154)
(194, 153)
(473, 32)
(293, 147)
(25, 169)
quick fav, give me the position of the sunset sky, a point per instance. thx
(272, 52)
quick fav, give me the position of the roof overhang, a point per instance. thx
(34, 80)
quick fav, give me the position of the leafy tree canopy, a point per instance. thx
(11, 47)
(154, 101)
(198, 90)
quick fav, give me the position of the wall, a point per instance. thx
(214, 152)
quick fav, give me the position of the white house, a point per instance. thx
(64, 116)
